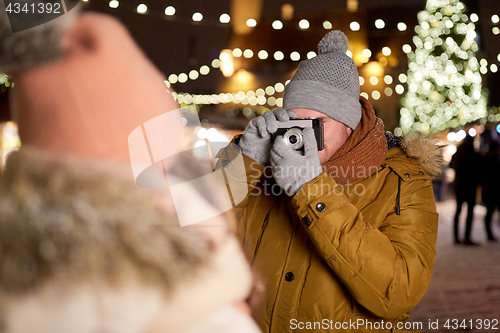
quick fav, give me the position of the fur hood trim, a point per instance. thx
(427, 151)
(70, 222)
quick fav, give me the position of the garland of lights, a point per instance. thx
(303, 24)
(258, 97)
(205, 70)
(224, 18)
(294, 56)
(444, 76)
(423, 119)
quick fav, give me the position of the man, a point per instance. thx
(343, 236)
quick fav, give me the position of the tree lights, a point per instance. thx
(444, 82)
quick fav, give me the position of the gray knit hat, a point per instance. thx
(327, 83)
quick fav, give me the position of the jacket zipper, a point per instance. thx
(398, 199)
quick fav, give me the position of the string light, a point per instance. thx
(114, 4)
(474, 18)
(379, 24)
(386, 51)
(204, 70)
(142, 8)
(182, 77)
(251, 23)
(327, 25)
(312, 54)
(237, 53)
(193, 75)
(277, 25)
(354, 26)
(216, 63)
(495, 19)
(295, 56)
(278, 55)
(224, 18)
(223, 56)
(406, 48)
(262, 54)
(402, 26)
(170, 11)
(304, 24)
(248, 53)
(172, 78)
(197, 17)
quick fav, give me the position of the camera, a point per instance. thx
(292, 132)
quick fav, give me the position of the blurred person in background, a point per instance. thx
(465, 162)
(83, 249)
(343, 234)
(490, 182)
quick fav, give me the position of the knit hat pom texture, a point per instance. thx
(334, 41)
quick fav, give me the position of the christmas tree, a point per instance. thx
(444, 82)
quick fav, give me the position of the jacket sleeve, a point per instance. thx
(241, 173)
(386, 269)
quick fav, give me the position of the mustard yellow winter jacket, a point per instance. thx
(333, 256)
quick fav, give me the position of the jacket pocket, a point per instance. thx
(259, 239)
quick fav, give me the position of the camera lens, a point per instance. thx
(293, 138)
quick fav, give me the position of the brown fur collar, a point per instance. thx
(427, 150)
(65, 218)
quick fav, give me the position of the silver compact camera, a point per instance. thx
(292, 132)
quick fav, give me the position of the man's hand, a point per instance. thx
(291, 168)
(256, 140)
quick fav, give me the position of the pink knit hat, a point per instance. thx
(89, 100)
